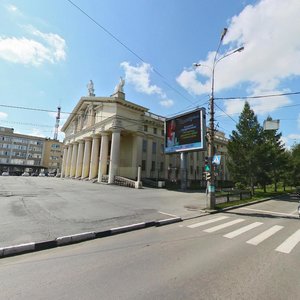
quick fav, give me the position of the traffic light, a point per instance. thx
(206, 164)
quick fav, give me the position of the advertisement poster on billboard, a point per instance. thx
(185, 132)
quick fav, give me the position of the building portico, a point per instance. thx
(107, 137)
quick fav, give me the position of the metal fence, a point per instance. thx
(234, 196)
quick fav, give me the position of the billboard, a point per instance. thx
(186, 132)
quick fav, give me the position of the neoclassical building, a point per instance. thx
(109, 137)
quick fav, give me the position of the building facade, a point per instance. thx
(52, 157)
(20, 153)
(110, 136)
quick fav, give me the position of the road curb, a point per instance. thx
(80, 237)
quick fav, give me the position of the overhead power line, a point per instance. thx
(164, 79)
(257, 97)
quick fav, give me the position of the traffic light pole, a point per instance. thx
(211, 182)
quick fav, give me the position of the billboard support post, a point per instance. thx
(183, 173)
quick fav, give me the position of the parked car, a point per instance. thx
(5, 174)
(42, 175)
(25, 174)
(34, 174)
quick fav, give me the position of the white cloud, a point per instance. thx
(3, 115)
(12, 8)
(50, 48)
(167, 102)
(294, 136)
(272, 54)
(55, 43)
(290, 140)
(139, 77)
(260, 106)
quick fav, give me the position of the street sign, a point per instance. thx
(216, 159)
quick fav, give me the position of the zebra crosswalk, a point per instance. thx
(225, 222)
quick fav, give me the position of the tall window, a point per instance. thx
(154, 148)
(161, 167)
(143, 165)
(144, 145)
(155, 130)
(145, 128)
(153, 166)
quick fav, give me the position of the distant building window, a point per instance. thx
(161, 167)
(155, 130)
(55, 146)
(154, 148)
(153, 166)
(162, 148)
(144, 145)
(162, 132)
(191, 170)
(143, 165)
(145, 128)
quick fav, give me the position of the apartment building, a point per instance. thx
(20, 153)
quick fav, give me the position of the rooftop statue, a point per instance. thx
(120, 85)
(91, 90)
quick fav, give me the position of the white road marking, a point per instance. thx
(167, 214)
(264, 235)
(215, 228)
(288, 245)
(268, 212)
(207, 222)
(241, 230)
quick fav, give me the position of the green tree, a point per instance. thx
(275, 158)
(245, 149)
(295, 165)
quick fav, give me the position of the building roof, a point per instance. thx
(85, 101)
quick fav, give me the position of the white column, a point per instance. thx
(64, 162)
(137, 149)
(94, 157)
(86, 158)
(68, 164)
(103, 156)
(114, 155)
(149, 157)
(73, 160)
(79, 161)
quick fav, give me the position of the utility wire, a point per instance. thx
(127, 48)
(257, 97)
(284, 106)
(226, 114)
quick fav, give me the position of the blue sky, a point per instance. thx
(49, 50)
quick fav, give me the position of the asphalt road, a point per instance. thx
(256, 257)
(34, 209)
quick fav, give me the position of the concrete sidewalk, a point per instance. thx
(36, 209)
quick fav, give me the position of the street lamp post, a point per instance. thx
(211, 141)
